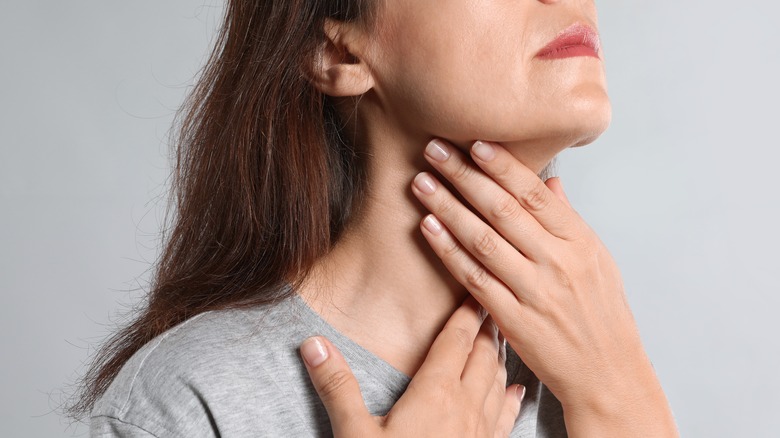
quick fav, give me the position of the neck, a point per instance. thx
(382, 285)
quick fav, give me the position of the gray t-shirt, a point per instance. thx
(239, 373)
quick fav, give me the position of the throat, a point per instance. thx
(395, 317)
(381, 284)
(392, 334)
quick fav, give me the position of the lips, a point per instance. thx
(576, 40)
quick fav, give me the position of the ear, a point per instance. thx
(339, 68)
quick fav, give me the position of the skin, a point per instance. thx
(465, 70)
(459, 71)
(460, 385)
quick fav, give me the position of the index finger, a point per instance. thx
(529, 190)
(450, 351)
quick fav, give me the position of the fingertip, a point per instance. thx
(314, 351)
(432, 225)
(483, 150)
(336, 386)
(520, 394)
(511, 411)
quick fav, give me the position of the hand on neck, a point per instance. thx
(382, 285)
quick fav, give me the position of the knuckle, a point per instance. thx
(537, 198)
(463, 338)
(505, 208)
(562, 275)
(447, 206)
(589, 246)
(333, 384)
(462, 171)
(450, 249)
(503, 170)
(485, 244)
(557, 261)
(477, 277)
(579, 228)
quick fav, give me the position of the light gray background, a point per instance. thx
(683, 189)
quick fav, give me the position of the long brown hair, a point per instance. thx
(264, 179)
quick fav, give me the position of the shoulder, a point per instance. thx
(207, 368)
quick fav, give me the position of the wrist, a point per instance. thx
(633, 407)
(615, 391)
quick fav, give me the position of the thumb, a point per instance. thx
(337, 387)
(554, 184)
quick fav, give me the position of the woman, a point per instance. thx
(295, 217)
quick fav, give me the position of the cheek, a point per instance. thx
(461, 86)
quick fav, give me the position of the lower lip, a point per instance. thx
(569, 52)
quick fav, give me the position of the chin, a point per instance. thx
(580, 124)
(593, 115)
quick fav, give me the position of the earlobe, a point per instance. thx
(338, 69)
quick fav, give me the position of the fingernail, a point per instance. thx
(314, 351)
(483, 151)
(520, 393)
(437, 150)
(432, 224)
(424, 183)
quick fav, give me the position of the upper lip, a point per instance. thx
(577, 34)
